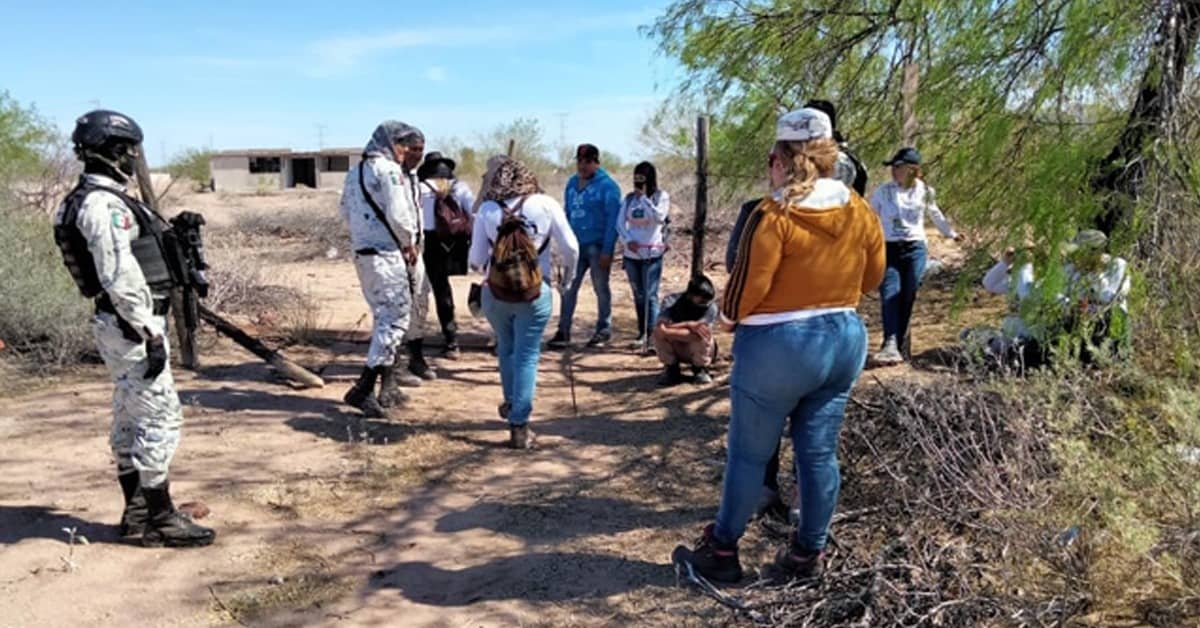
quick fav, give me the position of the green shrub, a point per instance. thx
(43, 320)
(192, 164)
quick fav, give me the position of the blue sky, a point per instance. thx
(254, 74)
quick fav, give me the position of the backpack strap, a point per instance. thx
(375, 206)
(513, 211)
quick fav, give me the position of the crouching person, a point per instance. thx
(684, 333)
(1093, 305)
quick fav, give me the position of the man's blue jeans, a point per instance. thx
(644, 278)
(518, 328)
(804, 371)
(898, 293)
(589, 261)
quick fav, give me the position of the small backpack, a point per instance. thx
(514, 274)
(450, 219)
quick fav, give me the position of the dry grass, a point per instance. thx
(1037, 502)
(299, 578)
(318, 228)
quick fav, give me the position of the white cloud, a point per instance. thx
(437, 74)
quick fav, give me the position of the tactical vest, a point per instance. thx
(149, 248)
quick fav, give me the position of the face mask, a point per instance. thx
(127, 163)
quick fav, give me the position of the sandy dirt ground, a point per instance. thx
(423, 520)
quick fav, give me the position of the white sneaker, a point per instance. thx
(890, 354)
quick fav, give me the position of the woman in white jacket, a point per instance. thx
(642, 224)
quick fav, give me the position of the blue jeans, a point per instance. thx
(519, 328)
(803, 370)
(644, 277)
(589, 260)
(898, 293)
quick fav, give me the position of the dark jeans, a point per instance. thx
(771, 479)
(898, 293)
(442, 259)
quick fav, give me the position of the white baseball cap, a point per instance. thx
(803, 125)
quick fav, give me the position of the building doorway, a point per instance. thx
(304, 172)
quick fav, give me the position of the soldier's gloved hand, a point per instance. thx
(156, 357)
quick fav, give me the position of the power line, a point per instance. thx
(562, 127)
(321, 136)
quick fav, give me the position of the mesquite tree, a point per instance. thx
(1020, 106)
(1035, 117)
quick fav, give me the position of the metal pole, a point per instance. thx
(701, 216)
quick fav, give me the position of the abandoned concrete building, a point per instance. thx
(264, 170)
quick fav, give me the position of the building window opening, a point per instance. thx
(336, 163)
(262, 165)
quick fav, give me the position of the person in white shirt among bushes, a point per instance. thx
(1093, 303)
(902, 204)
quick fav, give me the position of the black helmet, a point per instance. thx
(100, 128)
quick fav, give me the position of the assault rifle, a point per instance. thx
(193, 285)
(188, 257)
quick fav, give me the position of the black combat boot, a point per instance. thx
(133, 520)
(390, 395)
(362, 394)
(169, 527)
(416, 361)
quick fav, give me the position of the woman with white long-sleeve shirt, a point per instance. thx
(519, 325)
(902, 204)
(642, 224)
(1017, 284)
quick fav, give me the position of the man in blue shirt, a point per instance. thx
(592, 201)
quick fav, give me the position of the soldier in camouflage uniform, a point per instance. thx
(113, 247)
(379, 205)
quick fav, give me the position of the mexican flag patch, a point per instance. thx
(121, 220)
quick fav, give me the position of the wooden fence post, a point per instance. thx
(701, 217)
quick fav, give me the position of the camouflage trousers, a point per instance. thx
(385, 283)
(418, 282)
(146, 414)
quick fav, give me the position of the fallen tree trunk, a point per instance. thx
(286, 367)
(183, 298)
